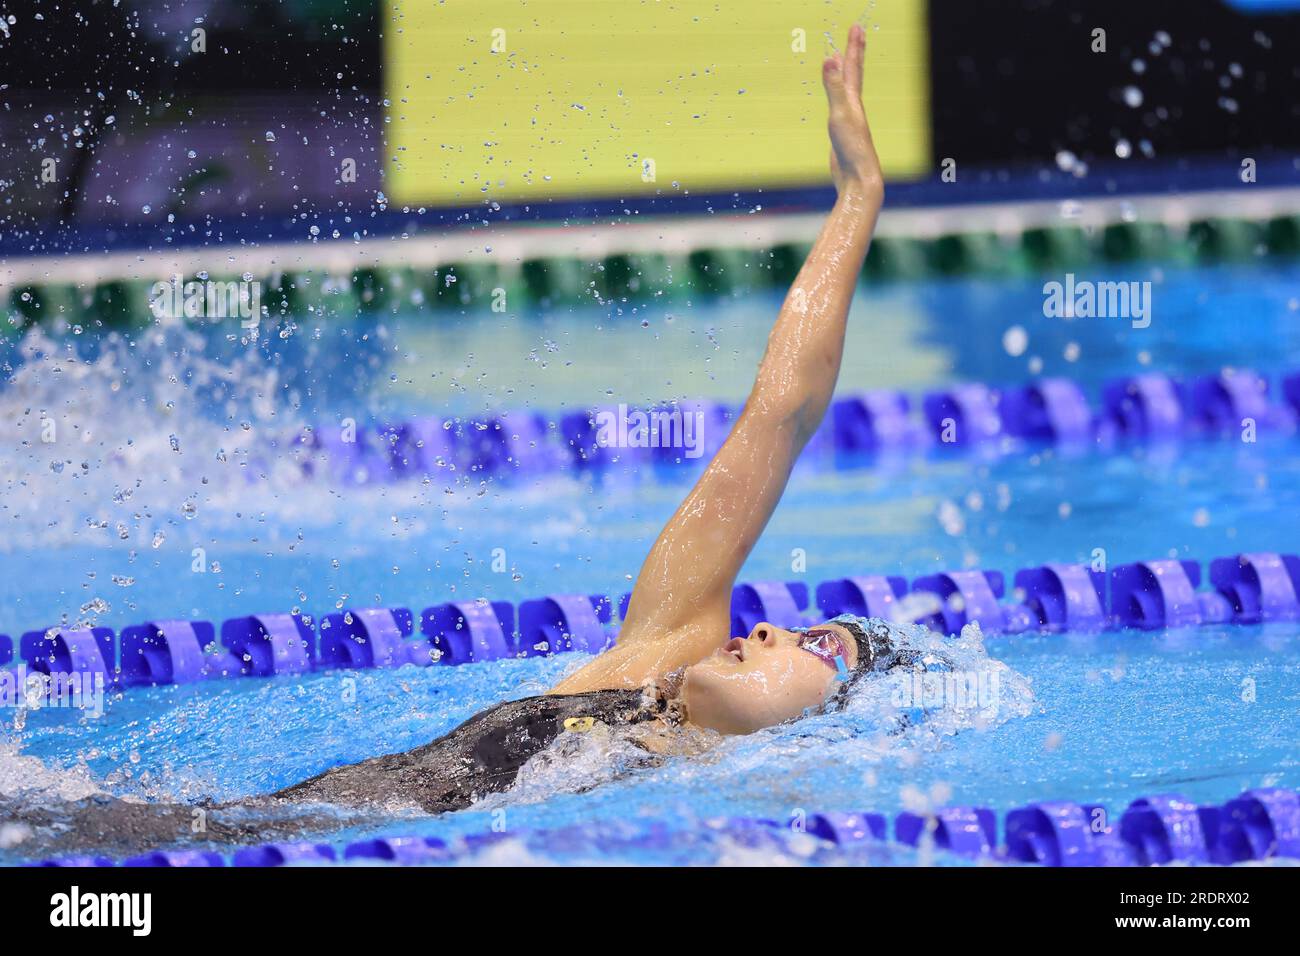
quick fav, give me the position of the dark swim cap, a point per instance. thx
(876, 652)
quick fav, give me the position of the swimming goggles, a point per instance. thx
(827, 644)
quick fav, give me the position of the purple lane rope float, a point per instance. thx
(1247, 588)
(1151, 407)
(1261, 824)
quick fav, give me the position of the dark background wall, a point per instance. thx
(1016, 80)
(148, 134)
(255, 45)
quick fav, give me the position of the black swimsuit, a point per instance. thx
(481, 756)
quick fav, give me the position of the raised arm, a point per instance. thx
(680, 608)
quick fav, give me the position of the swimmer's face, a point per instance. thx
(770, 677)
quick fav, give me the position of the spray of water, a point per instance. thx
(128, 436)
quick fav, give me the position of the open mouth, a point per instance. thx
(734, 648)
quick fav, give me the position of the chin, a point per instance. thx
(710, 698)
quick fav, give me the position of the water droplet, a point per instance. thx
(1015, 340)
(951, 519)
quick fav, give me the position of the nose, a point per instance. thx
(763, 632)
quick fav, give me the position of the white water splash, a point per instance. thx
(27, 778)
(135, 439)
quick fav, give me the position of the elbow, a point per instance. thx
(794, 395)
(810, 420)
(869, 190)
(798, 416)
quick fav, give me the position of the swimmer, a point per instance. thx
(673, 667)
(770, 677)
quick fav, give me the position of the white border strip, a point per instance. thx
(512, 244)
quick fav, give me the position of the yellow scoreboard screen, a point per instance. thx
(510, 100)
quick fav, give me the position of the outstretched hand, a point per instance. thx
(854, 164)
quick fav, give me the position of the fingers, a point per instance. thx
(833, 79)
(842, 75)
(853, 58)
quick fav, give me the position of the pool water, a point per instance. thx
(160, 452)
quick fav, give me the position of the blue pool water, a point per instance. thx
(156, 457)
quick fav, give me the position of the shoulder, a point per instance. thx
(646, 657)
